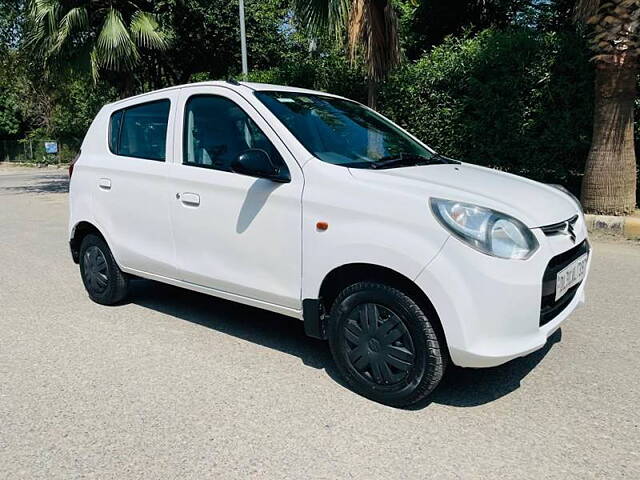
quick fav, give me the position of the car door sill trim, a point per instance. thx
(290, 312)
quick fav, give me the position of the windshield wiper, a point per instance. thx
(407, 160)
(400, 160)
(403, 160)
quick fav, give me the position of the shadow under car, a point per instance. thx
(460, 387)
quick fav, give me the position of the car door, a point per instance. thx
(234, 233)
(130, 200)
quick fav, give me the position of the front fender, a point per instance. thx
(365, 223)
(409, 261)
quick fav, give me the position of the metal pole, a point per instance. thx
(243, 42)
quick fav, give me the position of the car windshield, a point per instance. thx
(343, 132)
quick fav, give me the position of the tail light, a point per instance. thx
(73, 163)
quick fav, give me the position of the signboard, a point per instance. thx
(51, 147)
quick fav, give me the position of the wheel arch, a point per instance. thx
(78, 233)
(315, 311)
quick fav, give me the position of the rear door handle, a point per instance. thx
(189, 199)
(105, 184)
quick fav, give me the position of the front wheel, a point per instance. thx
(384, 345)
(104, 281)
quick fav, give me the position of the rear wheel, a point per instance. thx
(384, 345)
(104, 281)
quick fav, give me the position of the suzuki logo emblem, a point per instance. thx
(569, 231)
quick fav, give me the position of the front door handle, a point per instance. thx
(105, 183)
(189, 199)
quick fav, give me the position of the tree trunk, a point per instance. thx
(609, 183)
(375, 147)
(372, 93)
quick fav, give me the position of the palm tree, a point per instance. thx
(107, 36)
(609, 183)
(372, 30)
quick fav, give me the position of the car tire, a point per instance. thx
(384, 345)
(105, 283)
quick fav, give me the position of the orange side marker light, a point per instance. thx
(322, 226)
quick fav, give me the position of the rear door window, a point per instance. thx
(140, 131)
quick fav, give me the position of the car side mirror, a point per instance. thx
(257, 163)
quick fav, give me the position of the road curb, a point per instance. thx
(628, 227)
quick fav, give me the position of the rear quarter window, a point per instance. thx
(140, 131)
(114, 130)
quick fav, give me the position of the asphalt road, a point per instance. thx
(175, 384)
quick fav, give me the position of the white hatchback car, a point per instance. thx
(314, 206)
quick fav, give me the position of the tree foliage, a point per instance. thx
(371, 29)
(10, 29)
(206, 38)
(506, 83)
(99, 36)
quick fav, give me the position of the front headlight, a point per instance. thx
(491, 232)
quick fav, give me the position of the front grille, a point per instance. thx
(565, 228)
(549, 308)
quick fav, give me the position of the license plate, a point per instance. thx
(571, 275)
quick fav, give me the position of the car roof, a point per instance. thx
(233, 85)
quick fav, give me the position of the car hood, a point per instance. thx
(533, 203)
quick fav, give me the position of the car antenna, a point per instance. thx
(233, 81)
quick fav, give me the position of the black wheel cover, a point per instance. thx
(379, 346)
(96, 271)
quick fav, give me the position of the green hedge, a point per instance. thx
(515, 100)
(330, 72)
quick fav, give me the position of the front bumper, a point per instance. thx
(491, 309)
